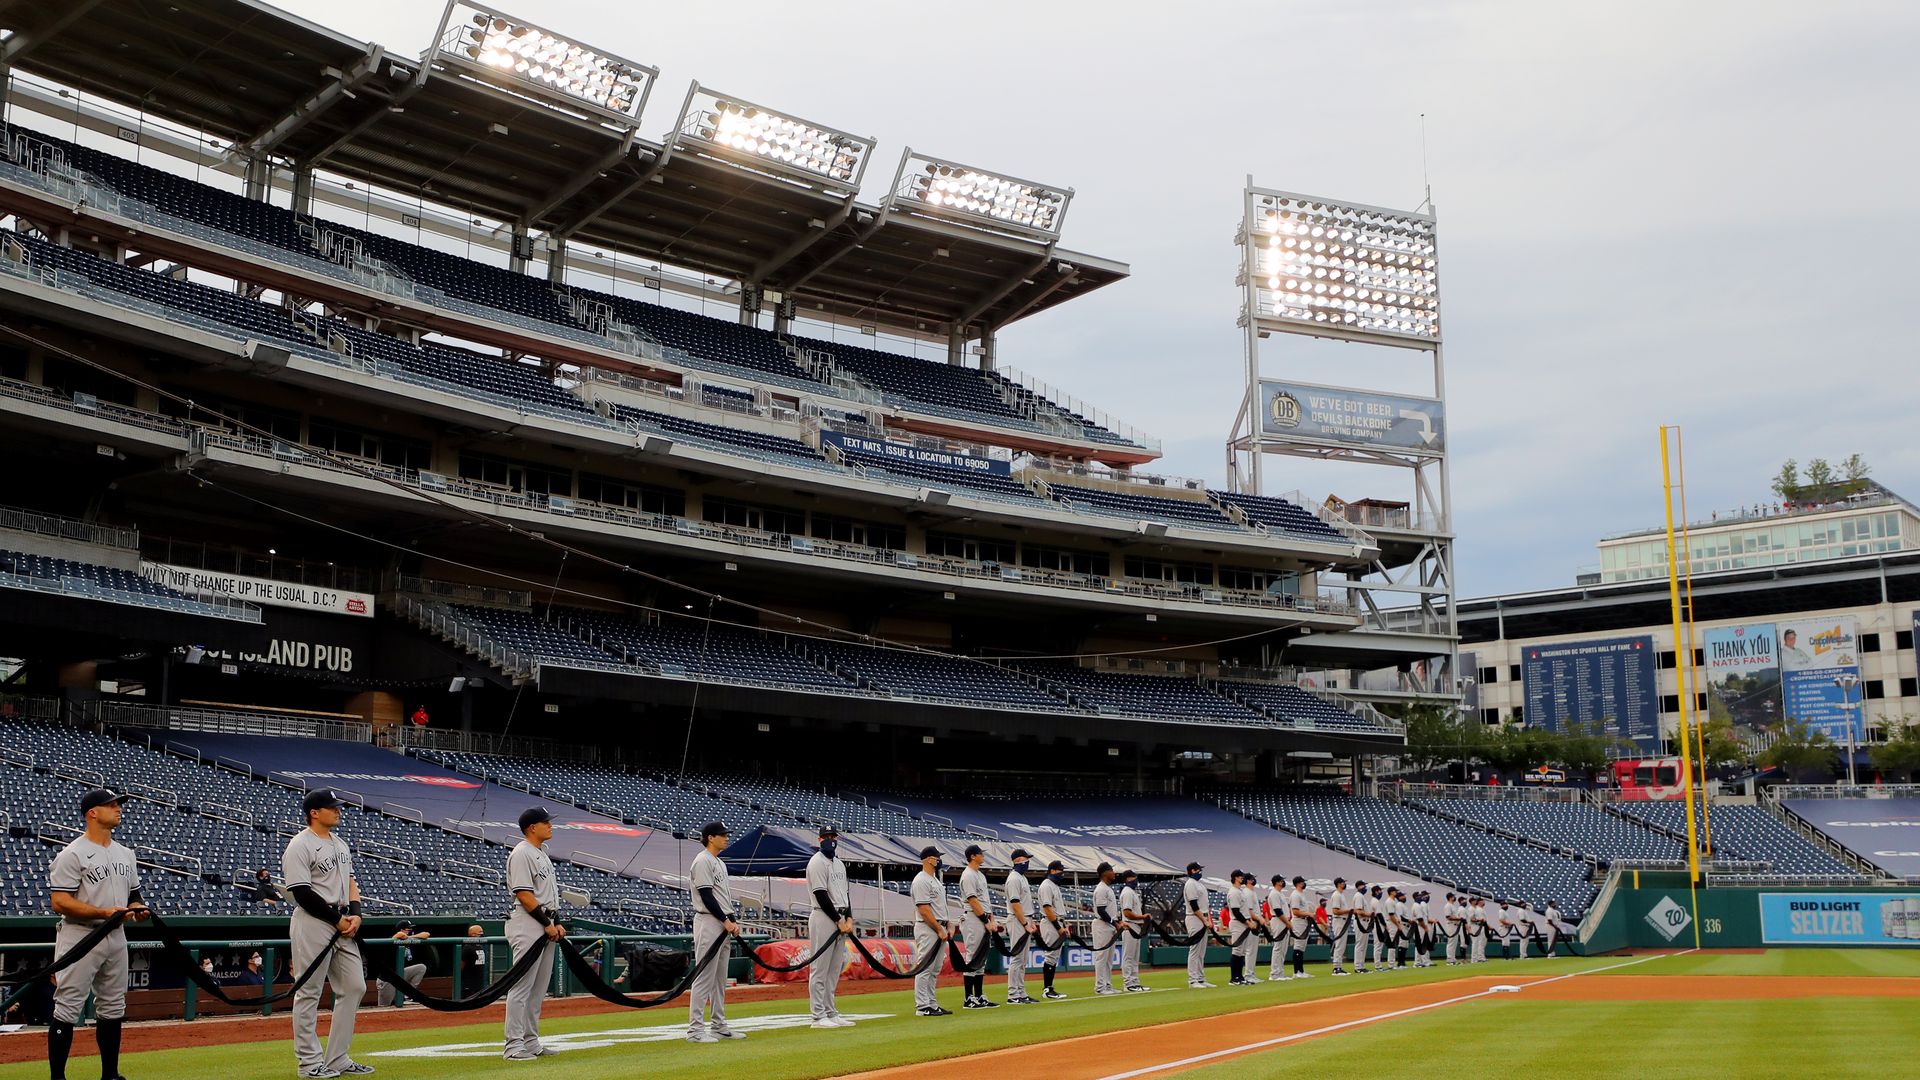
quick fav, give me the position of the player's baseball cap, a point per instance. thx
(1192, 866)
(712, 829)
(974, 849)
(1020, 853)
(1298, 880)
(1339, 881)
(1103, 868)
(1128, 875)
(320, 799)
(828, 832)
(533, 815)
(403, 924)
(1279, 878)
(1056, 865)
(99, 797)
(929, 852)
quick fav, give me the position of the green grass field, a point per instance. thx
(1502, 1036)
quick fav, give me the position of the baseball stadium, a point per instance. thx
(501, 564)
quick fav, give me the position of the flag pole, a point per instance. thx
(1686, 754)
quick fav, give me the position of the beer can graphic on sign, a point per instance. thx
(1893, 920)
(1910, 907)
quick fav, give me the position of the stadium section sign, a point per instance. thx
(1813, 653)
(917, 455)
(1840, 919)
(258, 590)
(1352, 417)
(1610, 681)
(1884, 831)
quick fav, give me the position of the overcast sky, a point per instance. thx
(1692, 213)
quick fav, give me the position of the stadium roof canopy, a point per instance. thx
(280, 86)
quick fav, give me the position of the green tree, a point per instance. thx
(1787, 483)
(1899, 756)
(1433, 733)
(1805, 754)
(1717, 743)
(1855, 468)
(1819, 473)
(1585, 749)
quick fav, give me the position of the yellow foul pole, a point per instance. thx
(1686, 570)
(1686, 756)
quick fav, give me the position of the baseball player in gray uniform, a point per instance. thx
(1248, 931)
(1451, 920)
(930, 932)
(976, 922)
(1020, 909)
(1106, 930)
(712, 919)
(534, 923)
(1382, 929)
(1133, 917)
(318, 870)
(1363, 927)
(1553, 919)
(832, 911)
(92, 880)
(1053, 912)
(1477, 926)
(1299, 918)
(1277, 903)
(1340, 921)
(1193, 898)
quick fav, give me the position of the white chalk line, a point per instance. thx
(1409, 1011)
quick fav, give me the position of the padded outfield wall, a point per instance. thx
(1654, 911)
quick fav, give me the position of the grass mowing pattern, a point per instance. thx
(1503, 1036)
(1874, 963)
(797, 1053)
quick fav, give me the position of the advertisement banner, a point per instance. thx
(1813, 653)
(1610, 682)
(1743, 676)
(258, 590)
(1352, 417)
(1885, 832)
(1840, 919)
(917, 455)
(1469, 690)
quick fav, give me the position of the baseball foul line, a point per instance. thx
(1282, 1040)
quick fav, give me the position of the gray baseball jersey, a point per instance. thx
(1019, 890)
(829, 875)
(1277, 902)
(1103, 901)
(1049, 896)
(530, 870)
(1193, 895)
(324, 863)
(100, 876)
(973, 886)
(928, 890)
(1130, 900)
(708, 872)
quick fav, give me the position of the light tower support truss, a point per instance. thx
(1367, 275)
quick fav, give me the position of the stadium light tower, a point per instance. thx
(756, 137)
(1368, 275)
(939, 188)
(519, 56)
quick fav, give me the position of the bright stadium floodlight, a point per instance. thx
(760, 138)
(520, 56)
(948, 189)
(1355, 271)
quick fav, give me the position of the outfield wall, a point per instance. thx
(1656, 910)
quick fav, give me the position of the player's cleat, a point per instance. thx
(1303, 974)
(698, 1037)
(933, 1010)
(1200, 985)
(1021, 999)
(840, 1021)
(1138, 989)
(318, 1072)
(1053, 995)
(354, 1068)
(1278, 978)
(728, 1033)
(1109, 991)
(988, 1003)
(1339, 971)
(520, 1057)
(825, 1023)
(974, 1003)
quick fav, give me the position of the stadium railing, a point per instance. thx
(235, 722)
(65, 528)
(1844, 791)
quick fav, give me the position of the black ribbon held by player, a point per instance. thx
(479, 999)
(583, 971)
(65, 960)
(172, 947)
(933, 957)
(803, 963)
